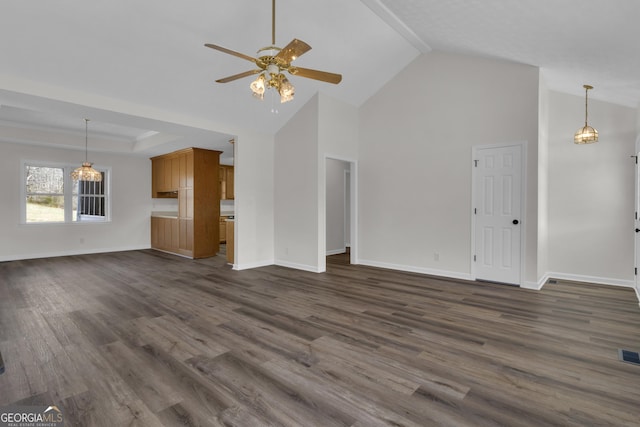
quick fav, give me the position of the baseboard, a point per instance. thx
(304, 267)
(536, 286)
(592, 279)
(336, 251)
(250, 265)
(413, 269)
(72, 253)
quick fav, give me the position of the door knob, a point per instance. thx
(637, 230)
(516, 222)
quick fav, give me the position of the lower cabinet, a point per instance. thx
(223, 229)
(185, 242)
(164, 233)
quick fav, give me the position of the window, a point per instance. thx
(52, 196)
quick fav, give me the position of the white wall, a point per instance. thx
(130, 201)
(591, 192)
(254, 200)
(335, 206)
(295, 190)
(324, 127)
(338, 140)
(415, 141)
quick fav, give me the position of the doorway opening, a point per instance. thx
(340, 211)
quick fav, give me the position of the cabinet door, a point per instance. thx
(222, 181)
(185, 203)
(230, 183)
(185, 244)
(174, 174)
(226, 182)
(155, 232)
(223, 230)
(157, 176)
(170, 234)
(187, 171)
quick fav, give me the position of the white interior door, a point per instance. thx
(497, 213)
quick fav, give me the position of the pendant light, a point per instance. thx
(86, 172)
(586, 134)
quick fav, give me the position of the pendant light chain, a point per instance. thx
(86, 140)
(586, 103)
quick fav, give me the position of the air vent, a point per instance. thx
(629, 356)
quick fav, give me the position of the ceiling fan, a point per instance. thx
(272, 62)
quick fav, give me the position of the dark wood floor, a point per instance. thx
(147, 338)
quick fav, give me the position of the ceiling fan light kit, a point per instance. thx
(273, 63)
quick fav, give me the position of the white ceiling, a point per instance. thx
(138, 68)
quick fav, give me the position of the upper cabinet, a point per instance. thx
(165, 176)
(226, 182)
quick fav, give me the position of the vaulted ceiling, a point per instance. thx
(140, 71)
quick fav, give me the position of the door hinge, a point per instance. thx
(475, 162)
(635, 272)
(474, 258)
(635, 157)
(475, 211)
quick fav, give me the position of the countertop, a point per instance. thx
(164, 214)
(172, 214)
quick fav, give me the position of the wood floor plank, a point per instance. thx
(152, 339)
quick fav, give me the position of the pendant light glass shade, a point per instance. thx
(586, 134)
(86, 172)
(275, 80)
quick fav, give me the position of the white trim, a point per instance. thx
(523, 205)
(346, 178)
(251, 265)
(337, 251)
(537, 286)
(397, 25)
(304, 267)
(68, 195)
(592, 279)
(414, 269)
(72, 253)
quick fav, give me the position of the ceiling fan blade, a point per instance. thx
(316, 75)
(230, 52)
(238, 76)
(293, 50)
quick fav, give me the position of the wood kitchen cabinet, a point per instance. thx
(192, 175)
(164, 233)
(223, 229)
(165, 176)
(226, 182)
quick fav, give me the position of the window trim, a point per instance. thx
(68, 194)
